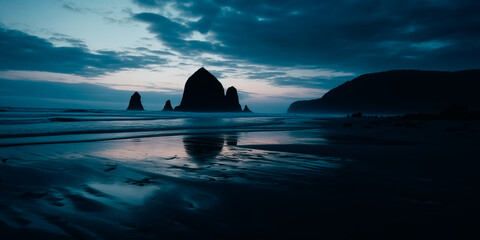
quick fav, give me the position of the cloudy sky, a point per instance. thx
(95, 54)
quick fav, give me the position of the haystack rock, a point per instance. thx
(204, 93)
(135, 102)
(168, 106)
(246, 109)
(231, 100)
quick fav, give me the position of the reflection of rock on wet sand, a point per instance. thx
(231, 138)
(207, 147)
(203, 147)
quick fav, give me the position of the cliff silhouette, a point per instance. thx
(398, 91)
(204, 93)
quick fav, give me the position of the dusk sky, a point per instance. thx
(95, 54)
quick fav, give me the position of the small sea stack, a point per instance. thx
(231, 100)
(135, 102)
(168, 106)
(246, 109)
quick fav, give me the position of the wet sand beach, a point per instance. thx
(331, 178)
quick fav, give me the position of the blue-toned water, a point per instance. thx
(170, 175)
(20, 126)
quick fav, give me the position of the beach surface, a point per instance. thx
(115, 175)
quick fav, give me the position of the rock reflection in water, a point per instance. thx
(203, 147)
(206, 147)
(231, 138)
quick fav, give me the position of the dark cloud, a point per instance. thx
(219, 63)
(283, 79)
(66, 39)
(266, 75)
(107, 15)
(174, 34)
(359, 36)
(158, 52)
(20, 51)
(72, 7)
(310, 82)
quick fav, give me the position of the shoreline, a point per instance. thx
(363, 179)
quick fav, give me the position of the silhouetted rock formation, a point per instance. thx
(204, 93)
(135, 102)
(246, 109)
(398, 91)
(168, 106)
(231, 100)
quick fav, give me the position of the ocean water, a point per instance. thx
(26, 126)
(103, 174)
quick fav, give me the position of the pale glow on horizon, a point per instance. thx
(161, 80)
(96, 26)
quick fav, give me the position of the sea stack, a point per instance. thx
(231, 100)
(246, 109)
(204, 93)
(168, 106)
(135, 102)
